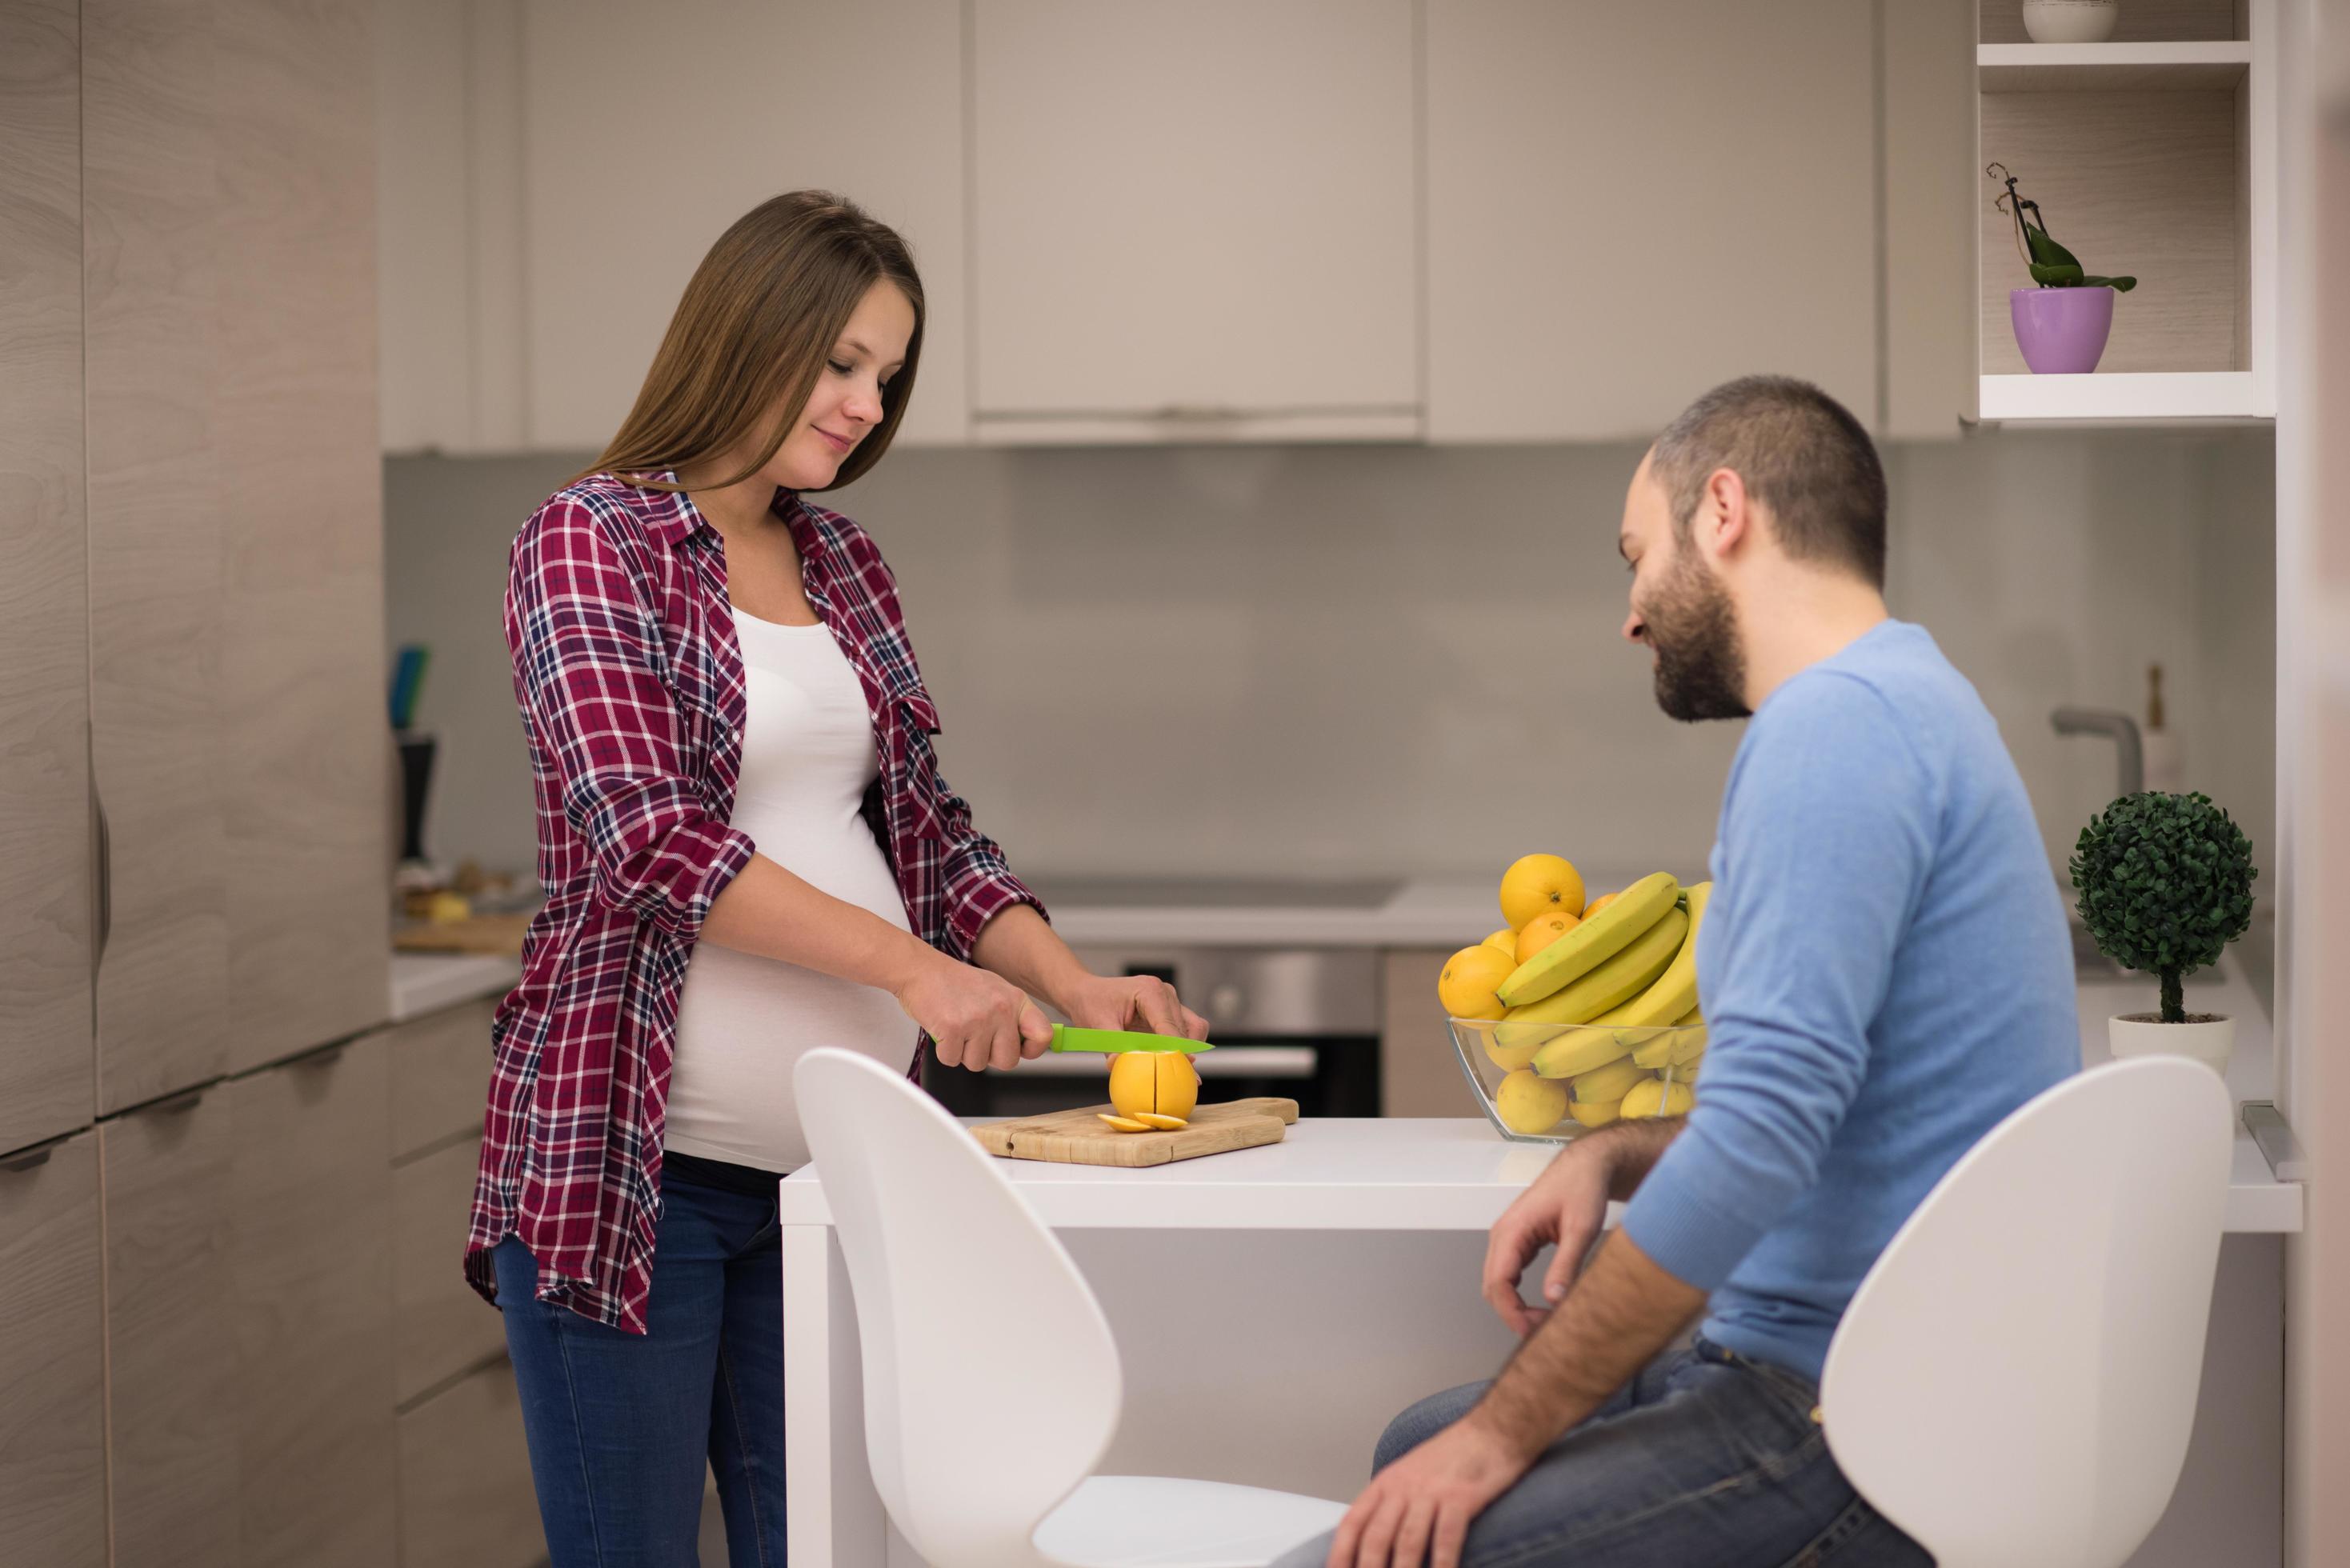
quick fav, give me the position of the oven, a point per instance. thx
(1301, 1024)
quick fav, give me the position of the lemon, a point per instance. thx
(1596, 1116)
(1528, 1104)
(1537, 884)
(1470, 980)
(1509, 1058)
(1160, 1082)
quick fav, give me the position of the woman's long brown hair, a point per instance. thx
(752, 334)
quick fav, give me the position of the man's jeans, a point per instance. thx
(1704, 1460)
(622, 1426)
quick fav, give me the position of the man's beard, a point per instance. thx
(1693, 629)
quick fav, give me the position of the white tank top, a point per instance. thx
(741, 1020)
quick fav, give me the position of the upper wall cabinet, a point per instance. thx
(1194, 221)
(1629, 203)
(555, 169)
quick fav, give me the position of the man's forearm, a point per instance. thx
(1621, 1313)
(1632, 1149)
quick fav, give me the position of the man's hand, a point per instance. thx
(1564, 1208)
(1419, 1508)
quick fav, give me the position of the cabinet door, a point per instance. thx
(440, 1075)
(52, 1384)
(170, 1333)
(465, 1493)
(443, 1327)
(424, 256)
(641, 147)
(304, 744)
(1420, 1072)
(310, 1192)
(149, 284)
(45, 813)
(1630, 204)
(1189, 211)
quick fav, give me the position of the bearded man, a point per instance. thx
(1884, 974)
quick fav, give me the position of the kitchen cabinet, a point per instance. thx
(310, 1191)
(1194, 222)
(151, 192)
(440, 1075)
(1628, 205)
(1419, 1070)
(170, 1335)
(465, 1493)
(46, 914)
(443, 1327)
(52, 1455)
(305, 772)
(864, 99)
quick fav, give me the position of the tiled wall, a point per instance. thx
(1345, 661)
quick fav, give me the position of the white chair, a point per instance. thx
(2015, 1380)
(992, 1381)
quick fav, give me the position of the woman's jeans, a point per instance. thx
(621, 1426)
(1703, 1460)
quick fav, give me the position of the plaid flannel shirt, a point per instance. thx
(630, 683)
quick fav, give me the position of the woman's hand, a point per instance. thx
(979, 1020)
(1140, 1002)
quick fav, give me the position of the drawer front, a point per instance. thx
(464, 1478)
(443, 1326)
(52, 1398)
(309, 1194)
(172, 1337)
(440, 1075)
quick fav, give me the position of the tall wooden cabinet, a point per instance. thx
(52, 1359)
(46, 841)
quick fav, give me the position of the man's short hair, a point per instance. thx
(1802, 455)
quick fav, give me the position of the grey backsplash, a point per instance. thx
(1342, 662)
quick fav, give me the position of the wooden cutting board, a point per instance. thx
(1078, 1138)
(474, 934)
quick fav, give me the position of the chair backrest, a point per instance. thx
(2015, 1380)
(991, 1380)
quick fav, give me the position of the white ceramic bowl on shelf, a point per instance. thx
(2071, 21)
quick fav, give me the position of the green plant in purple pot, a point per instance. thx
(2061, 323)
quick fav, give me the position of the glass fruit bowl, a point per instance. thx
(1551, 1082)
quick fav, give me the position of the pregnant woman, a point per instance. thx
(748, 852)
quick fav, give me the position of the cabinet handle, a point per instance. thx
(1197, 413)
(24, 1161)
(178, 1104)
(324, 1057)
(105, 881)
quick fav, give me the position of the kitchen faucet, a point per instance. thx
(2129, 752)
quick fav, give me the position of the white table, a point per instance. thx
(1273, 1307)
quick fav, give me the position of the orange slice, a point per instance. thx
(1124, 1124)
(1164, 1123)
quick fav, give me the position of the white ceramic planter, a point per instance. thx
(2145, 1035)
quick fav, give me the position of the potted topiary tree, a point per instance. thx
(2061, 322)
(2166, 882)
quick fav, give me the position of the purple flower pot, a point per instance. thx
(2061, 331)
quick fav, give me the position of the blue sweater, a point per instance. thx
(1885, 972)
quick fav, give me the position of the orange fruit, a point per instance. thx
(1538, 884)
(1506, 940)
(1543, 931)
(1598, 904)
(1160, 1083)
(1472, 977)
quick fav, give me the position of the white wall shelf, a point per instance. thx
(2210, 397)
(2113, 67)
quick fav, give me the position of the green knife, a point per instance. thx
(1066, 1038)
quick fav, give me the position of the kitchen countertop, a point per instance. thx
(1344, 1174)
(427, 982)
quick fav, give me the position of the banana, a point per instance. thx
(1602, 1085)
(1658, 1098)
(1655, 1047)
(1674, 993)
(1592, 943)
(1610, 983)
(1570, 1052)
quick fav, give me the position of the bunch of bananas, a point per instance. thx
(1590, 1010)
